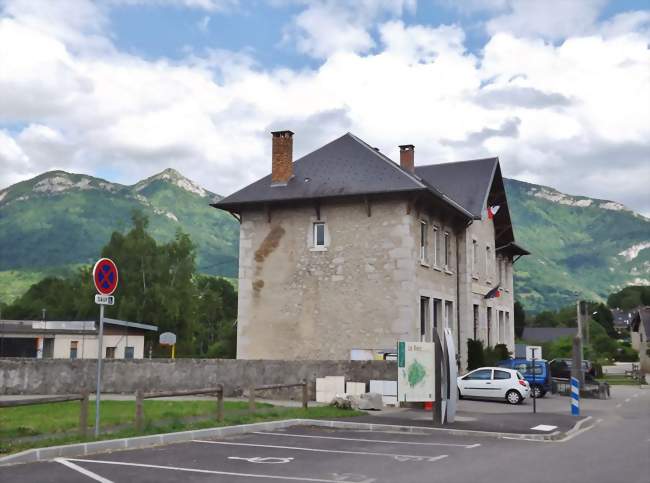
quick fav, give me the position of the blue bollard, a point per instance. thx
(575, 397)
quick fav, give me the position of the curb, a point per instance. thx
(139, 442)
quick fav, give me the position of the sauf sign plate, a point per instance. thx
(415, 371)
(104, 299)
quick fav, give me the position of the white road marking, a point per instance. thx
(368, 440)
(318, 450)
(544, 427)
(258, 459)
(566, 438)
(83, 471)
(636, 395)
(618, 405)
(627, 400)
(196, 470)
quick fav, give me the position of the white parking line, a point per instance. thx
(398, 457)
(468, 446)
(196, 470)
(627, 400)
(83, 471)
(618, 405)
(636, 395)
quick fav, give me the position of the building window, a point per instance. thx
(128, 352)
(110, 353)
(423, 241)
(474, 258)
(507, 327)
(74, 344)
(475, 322)
(436, 255)
(488, 254)
(424, 317)
(447, 250)
(319, 235)
(489, 325)
(449, 316)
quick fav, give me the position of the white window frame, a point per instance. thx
(424, 242)
(446, 246)
(475, 258)
(436, 247)
(315, 243)
(488, 256)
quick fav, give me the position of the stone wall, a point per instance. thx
(51, 376)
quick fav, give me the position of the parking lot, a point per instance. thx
(295, 454)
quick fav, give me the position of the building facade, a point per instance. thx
(346, 252)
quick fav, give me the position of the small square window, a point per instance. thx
(319, 234)
(110, 353)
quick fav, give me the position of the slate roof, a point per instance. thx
(547, 334)
(346, 166)
(642, 315)
(466, 182)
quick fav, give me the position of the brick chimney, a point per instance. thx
(407, 157)
(282, 157)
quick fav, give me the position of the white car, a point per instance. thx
(494, 383)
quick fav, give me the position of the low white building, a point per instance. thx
(55, 339)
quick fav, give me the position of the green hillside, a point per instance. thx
(58, 221)
(592, 247)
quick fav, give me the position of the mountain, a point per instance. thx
(58, 220)
(579, 245)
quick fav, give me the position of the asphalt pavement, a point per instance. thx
(615, 448)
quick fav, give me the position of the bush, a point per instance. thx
(627, 354)
(475, 354)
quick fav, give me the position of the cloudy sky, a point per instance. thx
(121, 89)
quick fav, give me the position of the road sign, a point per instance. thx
(105, 276)
(533, 350)
(104, 299)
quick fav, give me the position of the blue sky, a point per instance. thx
(125, 88)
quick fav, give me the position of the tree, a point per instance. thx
(475, 354)
(604, 317)
(520, 320)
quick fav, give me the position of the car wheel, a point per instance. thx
(513, 397)
(536, 391)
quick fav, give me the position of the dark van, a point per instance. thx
(541, 384)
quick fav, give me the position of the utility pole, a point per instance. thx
(576, 369)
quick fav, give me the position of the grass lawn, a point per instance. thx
(47, 420)
(618, 380)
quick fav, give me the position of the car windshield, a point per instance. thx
(527, 368)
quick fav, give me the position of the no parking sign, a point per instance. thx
(105, 276)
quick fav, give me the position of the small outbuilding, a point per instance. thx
(640, 331)
(56, 339)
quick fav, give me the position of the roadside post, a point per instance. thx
(105, 278)
(575, 397)
(530, 355)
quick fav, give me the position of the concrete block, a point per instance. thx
(355, 388)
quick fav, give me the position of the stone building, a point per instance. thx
(345, 251)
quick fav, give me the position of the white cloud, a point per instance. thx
(572, 114)
(325, 27)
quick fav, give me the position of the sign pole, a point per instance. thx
(533, 391)
(99, 368)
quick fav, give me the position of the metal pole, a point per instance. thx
(99, 367)
(534, 398)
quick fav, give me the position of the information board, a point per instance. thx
(415, 371)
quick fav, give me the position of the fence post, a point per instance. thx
(220, 403)
(251, 399)
(305, 394)
(139, 409)
(83, 413)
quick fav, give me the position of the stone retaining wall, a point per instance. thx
(61, 376)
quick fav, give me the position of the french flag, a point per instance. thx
(492, 210)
